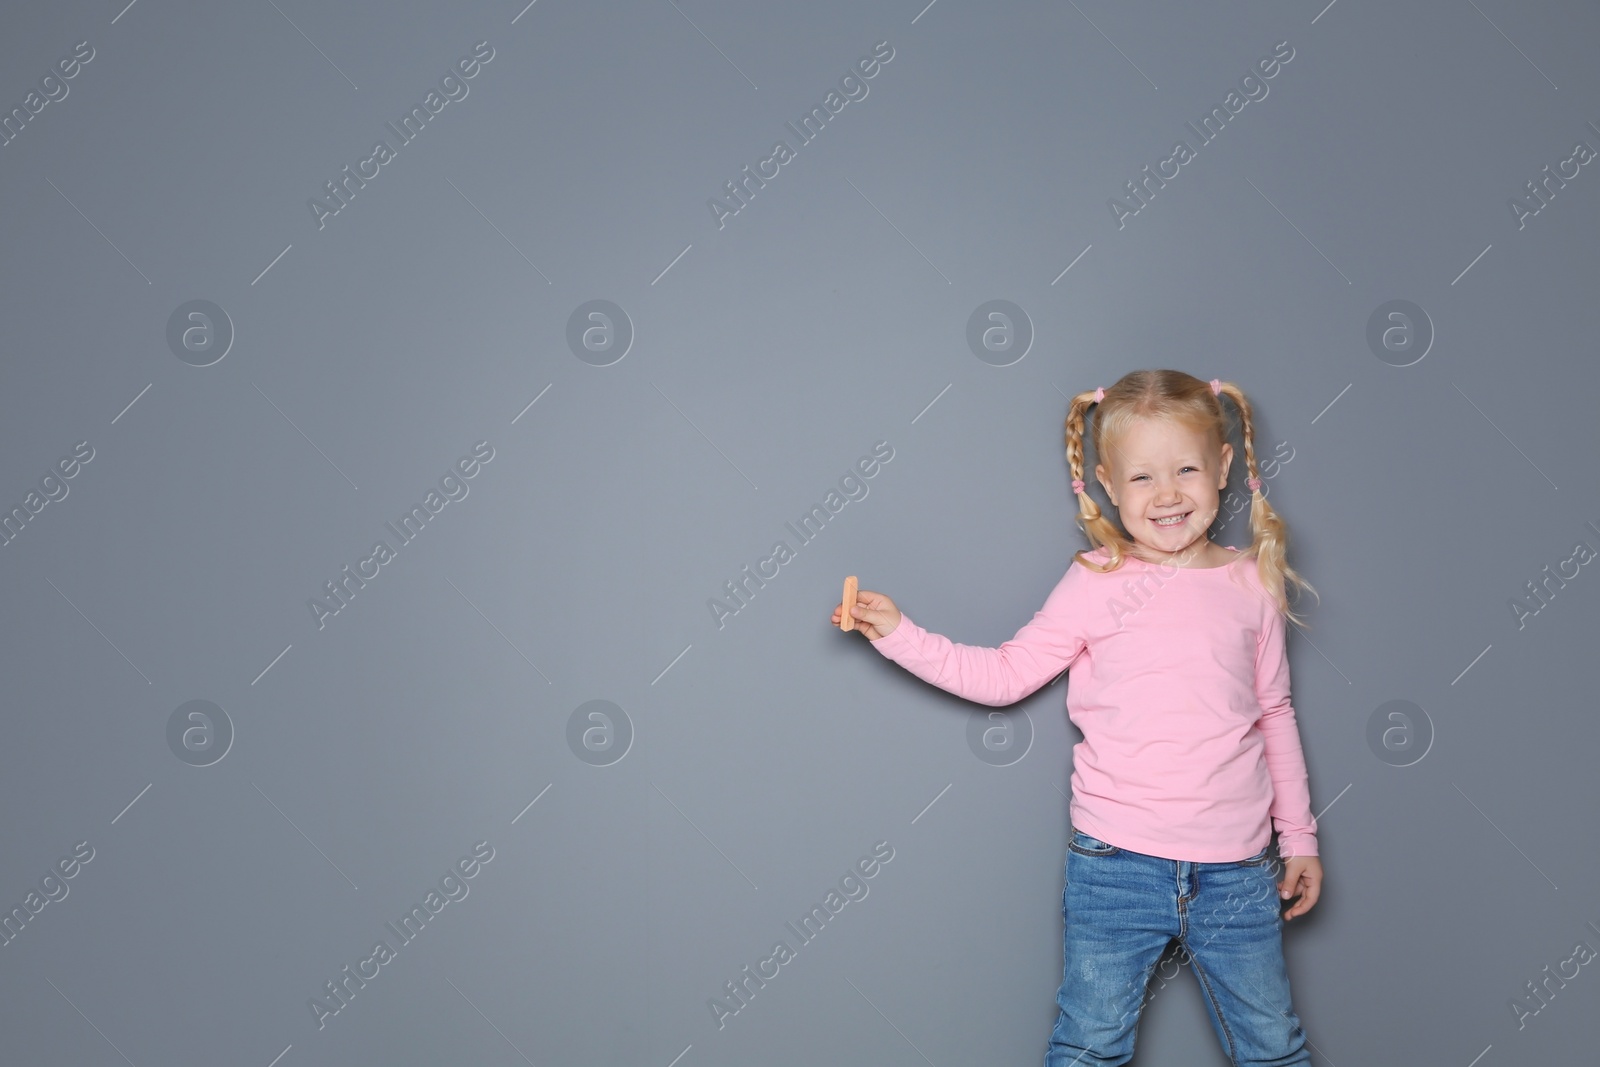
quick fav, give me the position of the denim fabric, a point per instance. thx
(1122, 910)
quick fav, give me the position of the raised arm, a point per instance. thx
(997, 676)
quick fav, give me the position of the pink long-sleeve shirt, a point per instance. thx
(1179, 682)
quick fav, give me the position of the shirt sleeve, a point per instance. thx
(1040, 650)
(1286, 764)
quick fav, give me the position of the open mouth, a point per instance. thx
(1171, 520)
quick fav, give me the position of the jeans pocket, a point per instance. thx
(1084, 845)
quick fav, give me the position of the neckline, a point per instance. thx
(1169, 567)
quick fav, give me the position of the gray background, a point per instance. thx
(762, 757)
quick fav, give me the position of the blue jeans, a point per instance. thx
(1122, 910)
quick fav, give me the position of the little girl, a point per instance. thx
(1179, 683)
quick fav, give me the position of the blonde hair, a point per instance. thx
(1183, 398)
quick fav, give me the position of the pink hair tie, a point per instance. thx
(1254, 484)
(1216, 386)
(1099, 395)
(1077, 485)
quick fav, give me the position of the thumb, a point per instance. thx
(869, 601)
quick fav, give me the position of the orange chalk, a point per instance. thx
(847, 621)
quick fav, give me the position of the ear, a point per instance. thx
(1103, 476)
(1227, 462)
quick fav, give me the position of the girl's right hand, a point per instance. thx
(875, 614)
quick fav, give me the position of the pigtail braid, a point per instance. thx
(1100, 530)
(1268, 534)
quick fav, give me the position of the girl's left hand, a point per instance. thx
(1302, 877)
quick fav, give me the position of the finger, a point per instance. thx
(1303, 905)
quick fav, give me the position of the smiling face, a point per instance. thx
(1163, 470)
